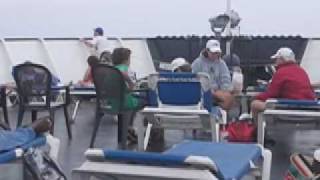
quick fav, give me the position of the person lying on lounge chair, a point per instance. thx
(16, 138)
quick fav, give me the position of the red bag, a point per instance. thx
(241, 131)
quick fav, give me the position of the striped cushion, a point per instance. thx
(300, 168)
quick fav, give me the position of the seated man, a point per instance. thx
(210, 62)
(231, 61)
(290, 81)
(180, 65)
(12, 139)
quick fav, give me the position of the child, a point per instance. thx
(121, 60)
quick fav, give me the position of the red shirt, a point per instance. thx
(88, 76)
(289, 82)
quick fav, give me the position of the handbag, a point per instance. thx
(241, 131)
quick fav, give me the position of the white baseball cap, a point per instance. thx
(285, 53)
(213, 46)
(178, 62)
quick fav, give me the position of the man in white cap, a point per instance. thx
(290, 81)
(210, 62)
(180, 65)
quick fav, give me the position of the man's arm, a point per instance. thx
(274, 88)
(90, 43)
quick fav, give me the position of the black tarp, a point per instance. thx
(254, 51)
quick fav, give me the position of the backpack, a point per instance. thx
(40, 166)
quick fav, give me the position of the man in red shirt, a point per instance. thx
(290, 81)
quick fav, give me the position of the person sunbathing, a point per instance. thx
(11, 139)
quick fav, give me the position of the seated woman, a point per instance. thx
(88, 79)
(121, 60)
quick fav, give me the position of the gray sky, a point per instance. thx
(132, 18)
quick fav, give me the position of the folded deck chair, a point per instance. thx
(290, 111)
(187, 160)
(178, 101)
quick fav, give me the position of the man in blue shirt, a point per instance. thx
(10, 140)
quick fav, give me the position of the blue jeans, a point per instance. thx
(10, 140)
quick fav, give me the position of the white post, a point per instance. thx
(228, 28)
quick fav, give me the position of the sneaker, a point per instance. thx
(132, 137)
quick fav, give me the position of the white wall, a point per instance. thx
(67, 58)
(311, 60)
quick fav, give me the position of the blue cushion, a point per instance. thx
(232, 160)
(297, 102)
(177, 75)
(175, 92)
(179, 93)
(144, 157)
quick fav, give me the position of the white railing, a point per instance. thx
(66, 57)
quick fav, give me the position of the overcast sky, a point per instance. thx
(132, 18)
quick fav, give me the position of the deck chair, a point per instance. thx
(110, 89)
(78, 93)
(289, 111)
(36, 93)
(178, 101)
(185, 161)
